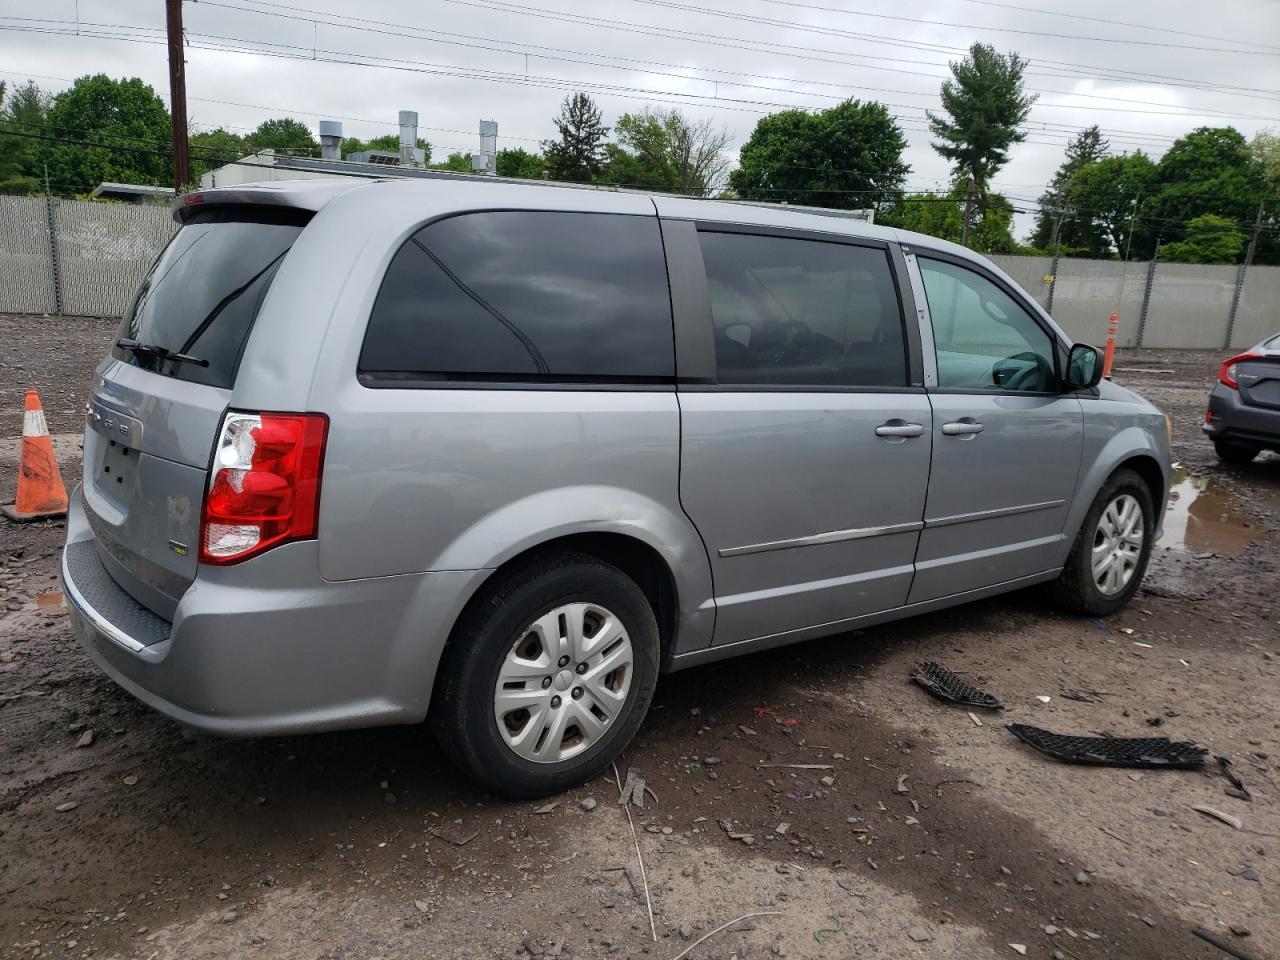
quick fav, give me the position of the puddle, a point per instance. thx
(1198, 520)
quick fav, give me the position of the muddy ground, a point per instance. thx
(919, 834)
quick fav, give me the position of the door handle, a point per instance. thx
(964, 427)
(899, 428)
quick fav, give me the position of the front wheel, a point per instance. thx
(549, 675)
(1110, 554)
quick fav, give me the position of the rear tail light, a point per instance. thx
(264, 488)
(1227, 372)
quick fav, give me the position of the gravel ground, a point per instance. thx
(918, 833)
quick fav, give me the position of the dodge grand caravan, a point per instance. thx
(496, 455)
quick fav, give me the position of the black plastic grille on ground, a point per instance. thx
(1112, 751)
(945, 685)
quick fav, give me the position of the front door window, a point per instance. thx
(985, 339)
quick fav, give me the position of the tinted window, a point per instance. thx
(791, 311)
(985, 339)
(527, 295)
(203, 292)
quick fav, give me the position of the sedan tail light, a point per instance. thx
(264, 488)
(1227, 372)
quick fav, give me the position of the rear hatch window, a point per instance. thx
(202, 294)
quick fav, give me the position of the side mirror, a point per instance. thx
(1084, 367)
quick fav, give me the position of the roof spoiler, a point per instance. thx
(308, 195)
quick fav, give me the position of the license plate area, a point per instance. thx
(117, 470)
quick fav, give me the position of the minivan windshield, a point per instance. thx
(200, 297)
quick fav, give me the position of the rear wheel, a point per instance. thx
(1237, 453)
(551, 672)
(1110, 554)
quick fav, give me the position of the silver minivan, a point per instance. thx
(496, 455)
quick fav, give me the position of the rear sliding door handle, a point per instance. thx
(899, 428)
(964, 427)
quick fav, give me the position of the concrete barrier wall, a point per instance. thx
(1190, 305)
(104, 249)
(1258, 315)
(1029, 273)
(1087, 292)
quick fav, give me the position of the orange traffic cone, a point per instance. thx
(40, 490)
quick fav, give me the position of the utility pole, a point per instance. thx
(177, 93)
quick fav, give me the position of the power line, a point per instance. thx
(1107, 21)
(735, 104)
(704, 38)
(1268, 52)
(560, 83)
(785, 50)
(303, 14)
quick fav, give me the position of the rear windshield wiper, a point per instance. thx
(162, 353)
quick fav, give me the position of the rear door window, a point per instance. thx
(792, 311)
(525, 295)
(202, 294)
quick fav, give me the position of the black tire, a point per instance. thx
(1075, 588)
(1236, 453)
(462, 714)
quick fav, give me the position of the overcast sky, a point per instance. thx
(459, 61)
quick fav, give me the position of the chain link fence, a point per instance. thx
(26, 256)
(87, 258)
(79, 257)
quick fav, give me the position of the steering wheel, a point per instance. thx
(1030, 377)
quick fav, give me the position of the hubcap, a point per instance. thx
(1117, 544)
(582, 646)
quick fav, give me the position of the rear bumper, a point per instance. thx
(267, 646)
(1234, 420)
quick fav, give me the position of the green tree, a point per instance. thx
(1075, 231)
(284, 135)
(107, 130)
(23, 112)
(664, 150)
(387, 143)
(1113, 193)
(210, 149)
(518, 162)
(1264, 148)
(578, 156)
(984, 104)
(1210, 170)
(15, 153)
(942, 215)
(457, 162)
(1210, 239)
(849, 157)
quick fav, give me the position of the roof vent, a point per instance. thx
(330, 140)
(408, 138)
